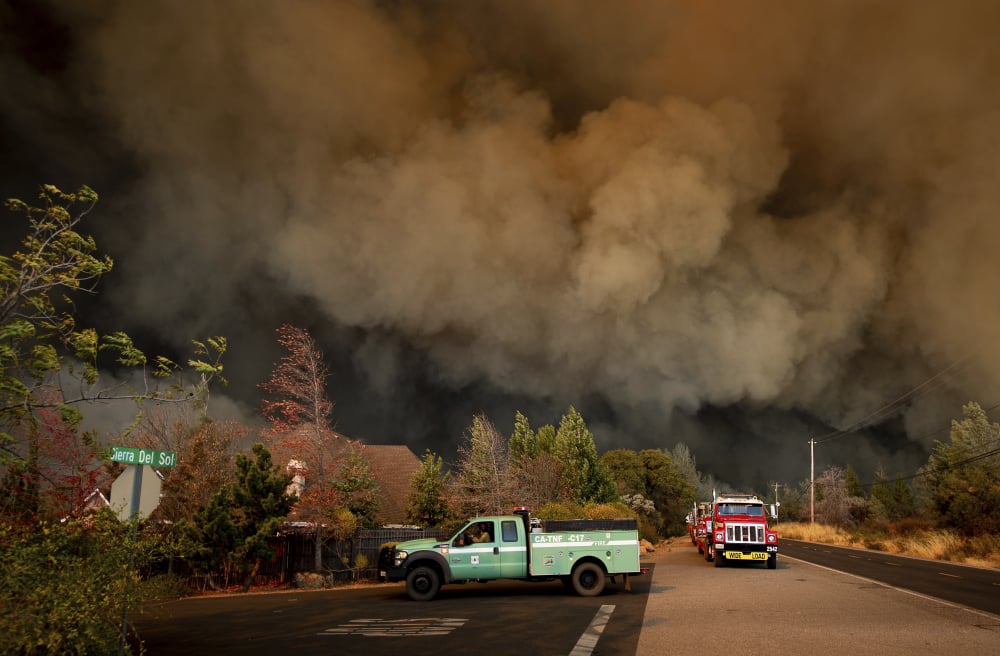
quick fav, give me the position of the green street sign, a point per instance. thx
(151, 457)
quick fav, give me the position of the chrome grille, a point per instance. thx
(745, 533)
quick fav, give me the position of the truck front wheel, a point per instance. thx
(772, 561)
(588, 580)
(423, 583)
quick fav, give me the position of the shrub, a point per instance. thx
(66, 585)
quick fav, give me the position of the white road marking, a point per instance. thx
(377, 627)
(588, 640)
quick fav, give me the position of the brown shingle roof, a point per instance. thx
(392, 466)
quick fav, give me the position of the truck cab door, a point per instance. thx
(513, 549)
(471, 559)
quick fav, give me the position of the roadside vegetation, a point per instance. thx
(931, 543)
(951, 511)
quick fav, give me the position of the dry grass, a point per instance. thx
(815, 533)
(934, 544)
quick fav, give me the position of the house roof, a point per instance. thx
(392, 465)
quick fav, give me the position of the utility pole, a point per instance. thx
(812, 481)
(777, 504)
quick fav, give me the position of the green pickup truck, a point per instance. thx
(582, 553)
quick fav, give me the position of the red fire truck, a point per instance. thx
(737, 530)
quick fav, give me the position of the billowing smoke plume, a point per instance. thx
(724, 223)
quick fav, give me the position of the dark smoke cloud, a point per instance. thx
(728, 224)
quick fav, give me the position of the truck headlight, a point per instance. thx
(772, 538)
(720, 537)
(399, 558)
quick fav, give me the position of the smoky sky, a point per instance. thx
(736, 225)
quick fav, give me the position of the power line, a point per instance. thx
(891, 406)
(933, 470)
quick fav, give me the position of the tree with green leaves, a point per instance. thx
(233, 531)
(963, 475)
(585, 478)
(48, 363)
(427, 501)
(545, 439)
(50, 371)
(853, 483)
(523, 445)
(359, 491)
(536, 472)
(903, 497)
(668, 489)
(626, 469)
(67, 584)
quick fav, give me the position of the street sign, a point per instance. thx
(130, 496)
(133, 456)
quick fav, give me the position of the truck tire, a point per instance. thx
(720, 561)
(709, 550)
(423, 583)
(772, 561)
(588, 580)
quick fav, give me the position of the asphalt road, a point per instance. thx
(498, 618)
(974, 587)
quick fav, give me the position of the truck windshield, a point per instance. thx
(753, 510)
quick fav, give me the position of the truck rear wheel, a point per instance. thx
(423, 583)
(588, 580)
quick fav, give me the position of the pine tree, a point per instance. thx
(854, 487)
(545, 439)
(964, 475)
(234, 529)
(427, 502)
(902, 495)
(523, 444)
(359, 491)
(585, 478)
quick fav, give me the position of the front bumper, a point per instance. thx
(757, 552)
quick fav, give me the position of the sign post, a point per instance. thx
(134, 495)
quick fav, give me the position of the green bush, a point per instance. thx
(66, 585)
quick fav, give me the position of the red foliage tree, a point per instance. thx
(61, 470)
(300, 429)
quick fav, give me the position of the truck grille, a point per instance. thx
(748, 533)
